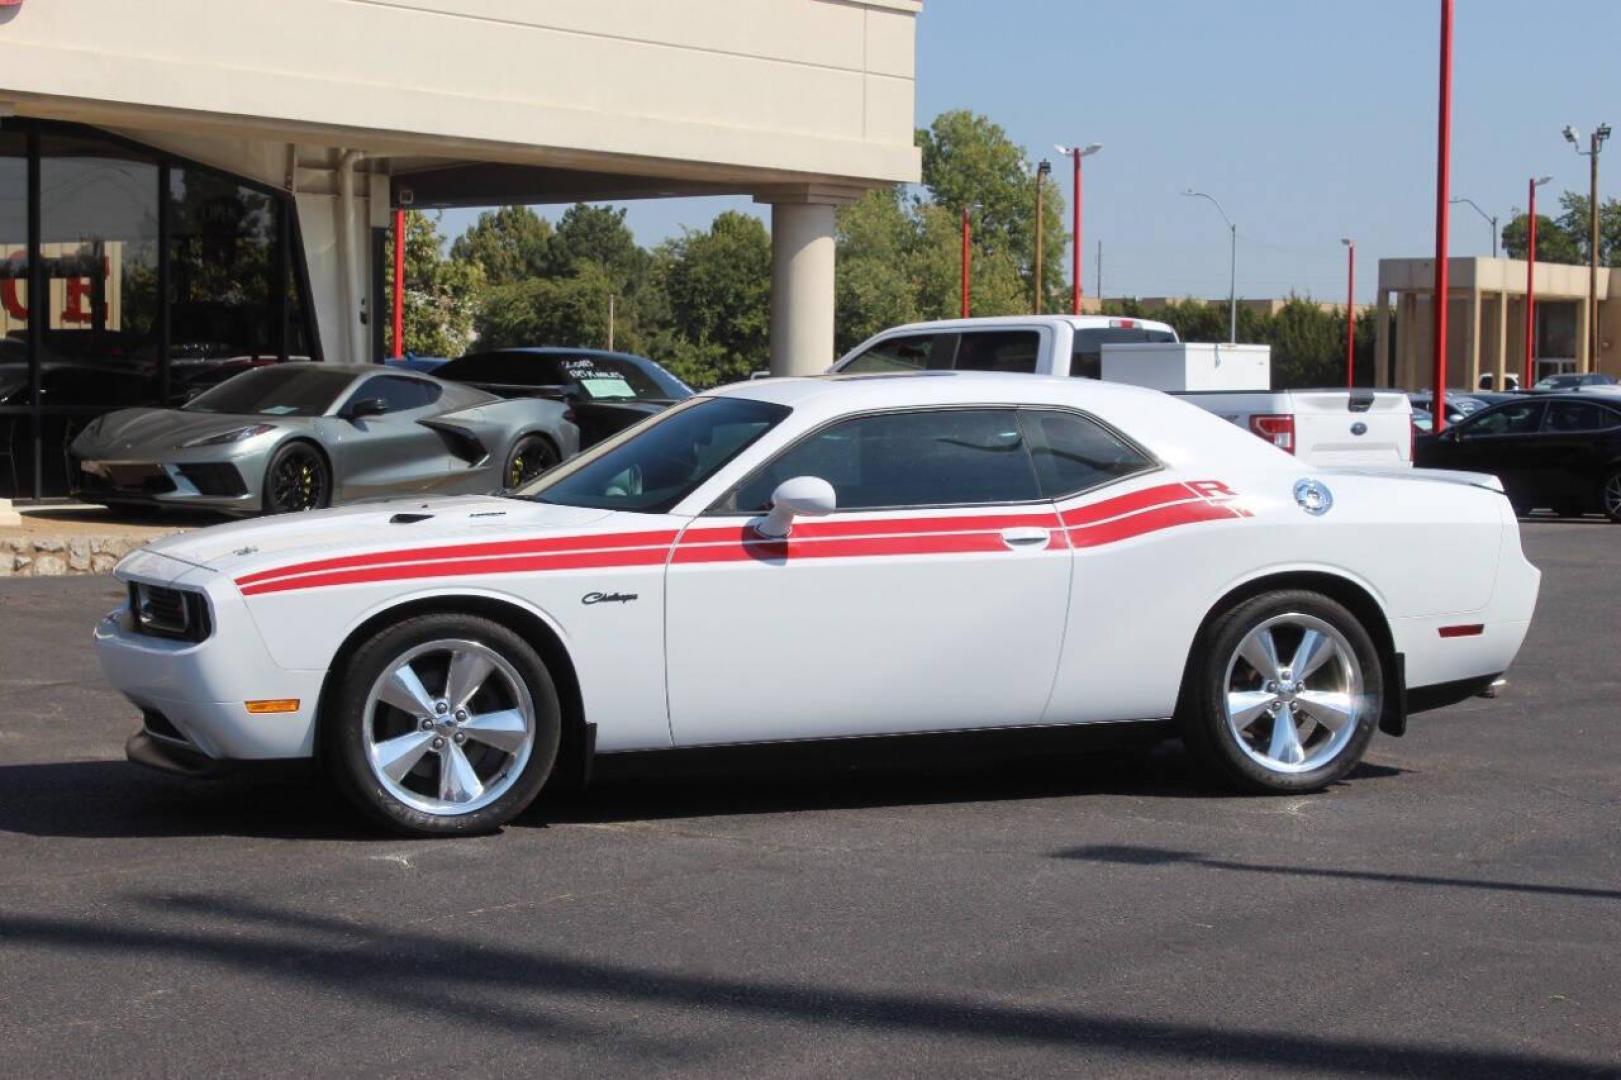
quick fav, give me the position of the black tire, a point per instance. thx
(1610, 496)
(297, 479)
(1203, 718)
(531, 455)
(348, 726)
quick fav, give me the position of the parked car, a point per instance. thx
(1574, 381)
(1488, 381)
(794, 559)
(606, 391)
(301, 436)
(1460, 403)
(1423, 420)
(1559, 451)
(1321, 427)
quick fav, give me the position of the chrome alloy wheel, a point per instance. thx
(1612, 496)
(458, 747)
(1294, 693)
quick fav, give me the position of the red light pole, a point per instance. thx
(965, 262)
(1076, 153)
(399, 282)
(1530, 281)
(1350, 312)
(1443, 182)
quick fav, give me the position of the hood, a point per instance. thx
(157, 431)
(268, 543)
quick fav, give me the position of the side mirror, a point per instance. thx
(374, 406)
(808, 495)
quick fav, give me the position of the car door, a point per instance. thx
(933, 599)
(1498, 441)
(390, 453)
(1569, 456)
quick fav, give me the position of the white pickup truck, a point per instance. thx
(1326, 427)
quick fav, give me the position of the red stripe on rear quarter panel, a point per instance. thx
(1131, 502)
(1163, 517)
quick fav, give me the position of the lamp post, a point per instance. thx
(1076, 153)
(1530, 280)
(1491, 219)
(1350, 311)
(1595, 146)
(1443, 185)
(1232, 270)
(1042, 170)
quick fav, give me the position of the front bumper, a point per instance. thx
(202, 485)
(201, 690)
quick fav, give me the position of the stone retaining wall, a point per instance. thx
(49, 556)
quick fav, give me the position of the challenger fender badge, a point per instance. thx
(607, 598)
(1313, 497)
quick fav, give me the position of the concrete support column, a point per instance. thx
(1501, 369)
(801, 288)
(1584, 363)
(1474, 340)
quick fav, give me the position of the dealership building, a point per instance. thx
(193, 182)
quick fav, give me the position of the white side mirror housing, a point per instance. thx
(808, 495)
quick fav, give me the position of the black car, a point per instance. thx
(606, 391)
(1560, 451)
(1573, 381)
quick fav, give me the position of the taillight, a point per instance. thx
(1276, 428)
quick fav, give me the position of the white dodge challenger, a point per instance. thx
(821, 558)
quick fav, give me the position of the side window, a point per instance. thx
(910, 353)
(999, 350)
(938, 457)
(1578, 416)
(399, 392)
(1074, 453)
(1516, 419)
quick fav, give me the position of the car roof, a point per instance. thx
(1080, 322)
(559, 350)
(935, 388)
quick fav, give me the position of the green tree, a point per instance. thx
(1576, 224)
(1554, 244)
(441, 295)
(509, 244)
(569, 311)
(718, 286)
(595, 234)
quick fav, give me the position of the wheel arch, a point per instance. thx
(310, 440)
(1351, 594)
(573, 754)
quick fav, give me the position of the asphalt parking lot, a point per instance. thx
(1454, 908)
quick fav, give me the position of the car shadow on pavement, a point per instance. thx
(1130, 855)
(516, 992)
(115, 799)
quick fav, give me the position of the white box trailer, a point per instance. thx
(1178, 366)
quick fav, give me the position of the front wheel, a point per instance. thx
(297, 478)
(443, 725)
(1285, 692)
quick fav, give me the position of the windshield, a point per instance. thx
(594, 378)
(285, 390)
(651, 467)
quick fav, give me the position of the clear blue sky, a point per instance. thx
(1308, 120)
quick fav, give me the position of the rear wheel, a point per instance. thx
(297, 479)
(443, 725)
(1610, 496)
(1285, 693)
(530, 456)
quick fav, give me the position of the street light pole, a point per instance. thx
(1443, 184)
(1350, 312)
(1232, 271)
(1491, 219)
(1530, 282)
(1076, 153)
(1595, 146)
(1042, 170)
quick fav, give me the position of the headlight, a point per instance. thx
(172, 613)
(227, 436)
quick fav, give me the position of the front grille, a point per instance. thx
(147, 479)
(170, 613)
(216, 479)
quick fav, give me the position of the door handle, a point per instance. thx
(1023, 538)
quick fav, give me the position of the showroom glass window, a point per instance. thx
(157, 279)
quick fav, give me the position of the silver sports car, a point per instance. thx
(300, 436)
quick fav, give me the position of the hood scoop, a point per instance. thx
(408, 519)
